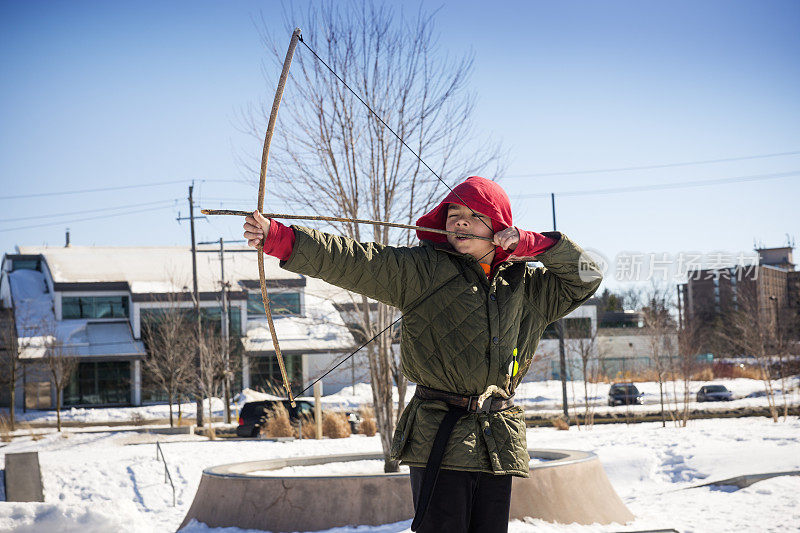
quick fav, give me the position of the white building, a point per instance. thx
(93, 300)
(580, 334)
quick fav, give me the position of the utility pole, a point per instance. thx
(560, 327)
(224, 321)
(226, 386)
(196, 299)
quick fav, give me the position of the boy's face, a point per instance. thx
(461, 219)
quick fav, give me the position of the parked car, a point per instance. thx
(254, 414)
(714, 393)
(624, 393)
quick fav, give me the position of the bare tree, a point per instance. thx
(170, 361)
(659, 327)
(689, 345)
(785, 326)
(747, 330)
(59, 362)
(214, 368)
(10, 364)
(582, 343)
(337, 158)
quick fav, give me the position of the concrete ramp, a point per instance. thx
(568, 486)
(23, 478)
(571, 486)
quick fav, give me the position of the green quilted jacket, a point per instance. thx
(459, 331)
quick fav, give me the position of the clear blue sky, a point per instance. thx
(103, 94)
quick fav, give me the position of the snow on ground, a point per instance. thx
(533, 396)
(111, 481)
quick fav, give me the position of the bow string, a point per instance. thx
(298, 37)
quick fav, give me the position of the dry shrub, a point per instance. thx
(367, 426)
(706, 374)
(335, 426)
(137, 419)
(5, 429)
(560, 424)
(309, 427)
(278, 423)
(749, 372)
(27, 427)
(635, 376)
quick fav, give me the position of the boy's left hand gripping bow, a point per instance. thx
(261, 189)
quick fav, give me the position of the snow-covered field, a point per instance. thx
(111, 481)
(533, 396)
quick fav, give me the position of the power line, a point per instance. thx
(662, 186)
(119, 188)
(112, 215)
(84, 211)
(649, 167)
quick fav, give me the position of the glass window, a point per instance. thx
(99, 383)
(280, 303)
(207, 315)
(70, 308)
(265, 374)
(24, 264)
(94, 307)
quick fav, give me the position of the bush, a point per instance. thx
(705, 374)
(367, 426)
(560, 424)
(309, 428)
(749, 372)
(5, 429)
(335, 426)
(278, 423)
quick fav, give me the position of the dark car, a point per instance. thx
(254, 414)
(624, 393)
(714, 393)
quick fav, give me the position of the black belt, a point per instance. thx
(458, 405)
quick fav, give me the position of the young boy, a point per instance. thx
(472, 319)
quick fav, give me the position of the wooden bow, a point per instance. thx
(273, 116)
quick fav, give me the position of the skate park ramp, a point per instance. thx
(23, 477)
(565, 486)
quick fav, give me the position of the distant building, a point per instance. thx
(774, 282)
(95, 298)
(580, 326)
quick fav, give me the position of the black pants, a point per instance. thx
(464, 502)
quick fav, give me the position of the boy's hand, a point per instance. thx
(507, 239)
(255, 227)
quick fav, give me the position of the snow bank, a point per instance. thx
(71, 518)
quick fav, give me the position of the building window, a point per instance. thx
(100, 383)
(280, 303)
(94, 307)
(25, 264)
(208, 316)
(265, 374)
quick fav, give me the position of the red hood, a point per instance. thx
(479, 194)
